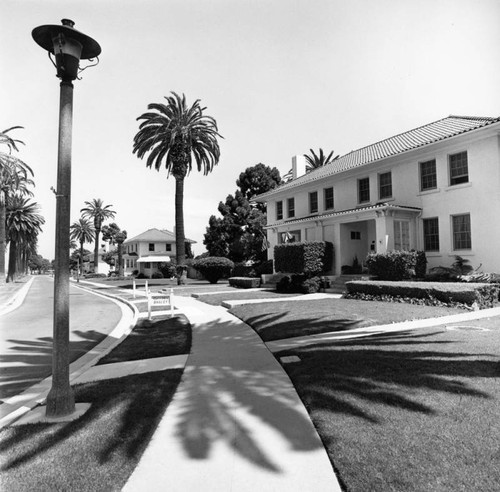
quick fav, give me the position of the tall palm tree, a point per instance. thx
(83, 232)
(314, 161)
(176, 136)
(14, 176)
(99, 213)
(23, 224)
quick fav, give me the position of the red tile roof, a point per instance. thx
(412, 139)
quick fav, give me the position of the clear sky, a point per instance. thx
(279, 76)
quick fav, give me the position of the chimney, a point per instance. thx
(298, 166)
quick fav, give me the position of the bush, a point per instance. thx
(168, 269)
(157, 275)
(244, 282)
(311, 258)
(265, 268)
(420, 264)
(94, 275)
(311, 285)
(394, 265)
(213, 268)
(298, 284)
(242, 270)
(481, 295)
(141, 275)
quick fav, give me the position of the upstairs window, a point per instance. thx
(459, 170)
(385, 185)
(151, 247)
(328, 196)
(313, 202)
(428, 175)
(291, 207)
(363, 190)
(279, 210)
(168, 247)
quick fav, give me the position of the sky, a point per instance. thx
(279, 76)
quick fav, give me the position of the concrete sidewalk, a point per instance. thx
(236, 422)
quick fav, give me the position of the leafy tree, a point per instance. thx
(239, 233)
(115, 235)
(23, 224)
(83, 232)
(176, 136)
(78, 258)
(99, 212)
(14, 177)
(39, 263)
(314, 161)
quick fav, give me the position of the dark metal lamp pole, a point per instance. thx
(69, 46)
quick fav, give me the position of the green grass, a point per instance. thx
(416, 411)
(99, 451)
(274, 321)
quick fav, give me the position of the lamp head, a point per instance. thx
(68, 45)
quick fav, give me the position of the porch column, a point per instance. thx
(384, 227)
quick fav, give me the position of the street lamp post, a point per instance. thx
(68, 46)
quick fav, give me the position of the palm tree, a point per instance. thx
(23, 224)
(99, 213)
(314, 161)
(14, 176)
(83, 232)
(174, 135)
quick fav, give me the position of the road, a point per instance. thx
(26, 333)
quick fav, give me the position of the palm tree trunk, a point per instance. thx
(80, 265)
(3, 238)
(12, 261)
(96, 251)
(180, 249)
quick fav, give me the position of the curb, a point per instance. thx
(35, 395)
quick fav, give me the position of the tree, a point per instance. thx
(39, 263)
(99, 213)
(115, 235)
(14, 176)
(176, 136)
(78, 258)
(239, 234)
(314, 161)
(83, 232)
(23, 224)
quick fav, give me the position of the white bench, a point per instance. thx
(161, 300)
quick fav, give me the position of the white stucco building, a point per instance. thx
(434, 188)
(147, 250)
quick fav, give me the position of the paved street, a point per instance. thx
(26, 333)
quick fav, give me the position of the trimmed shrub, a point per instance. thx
(420, 264)
(141, 275)
(265, 268)
(213, 268)
(94, 275)
(481, 295)
(168, 269)
(312, 258)
(394, 265)
(298, 284)
(157, 275)
(242, 270)
(311, 285)
(244, 282)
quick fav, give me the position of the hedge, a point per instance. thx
(244, 282)
(396, 265)
(483, 295)
(311, 258)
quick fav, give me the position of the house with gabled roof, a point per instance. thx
(434, 188)
(145, 252)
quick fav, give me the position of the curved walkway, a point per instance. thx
(236, 422)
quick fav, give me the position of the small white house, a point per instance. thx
(434, 188)
(145, 252)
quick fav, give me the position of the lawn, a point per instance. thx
(99, 451)
(415, 411)
(239, 294)
(274, 321)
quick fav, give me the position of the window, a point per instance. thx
(461, 232)
(290, 237)
(328, 196)
(279, 210)
(431, 234)
(428, 176)
(147, 265)
(385, 185)
(168, 247)
(291, 207)
(459, 171)
(313, 202)
(355, 235)
(151, 247)
(401, 235)
(363, 190)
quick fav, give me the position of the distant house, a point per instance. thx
(144, 253)
(434, 188)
